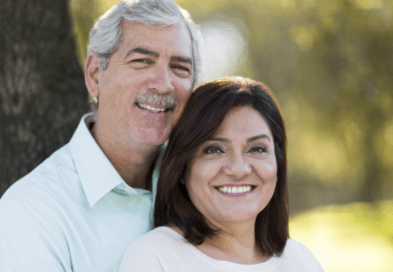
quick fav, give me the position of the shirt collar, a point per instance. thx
(97, 174)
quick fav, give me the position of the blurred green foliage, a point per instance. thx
(330, 64)
(351, 237)
(83, 15)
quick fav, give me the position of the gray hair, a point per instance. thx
(105, 37)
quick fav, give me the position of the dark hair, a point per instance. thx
(202, 116)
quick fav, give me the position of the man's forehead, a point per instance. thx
(148, 52)
(131, 30)
(150, 40)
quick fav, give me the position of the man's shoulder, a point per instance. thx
(54, 174)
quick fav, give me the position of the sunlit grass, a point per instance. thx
(353, 237)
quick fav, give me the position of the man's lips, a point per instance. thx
(151, 108)
(155, 103)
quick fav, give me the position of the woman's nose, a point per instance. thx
(237, 167)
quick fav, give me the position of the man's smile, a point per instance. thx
(155, 103)
(152, 109)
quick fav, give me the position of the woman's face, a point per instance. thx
(232, 177)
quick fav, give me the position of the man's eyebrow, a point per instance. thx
(182, 59)
(142, 51)
(261, 136)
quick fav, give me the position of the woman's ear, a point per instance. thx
(92, 74)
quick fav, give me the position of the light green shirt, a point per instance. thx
(73, 212)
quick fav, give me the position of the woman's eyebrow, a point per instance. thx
(261, 136)
(254, 138)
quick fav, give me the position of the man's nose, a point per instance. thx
(237, 167)
(161, 80)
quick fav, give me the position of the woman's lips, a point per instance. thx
(235, 190)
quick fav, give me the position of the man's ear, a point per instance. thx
(92, 74)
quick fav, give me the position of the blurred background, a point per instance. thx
(330, 65)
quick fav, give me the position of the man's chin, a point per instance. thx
(153, 137)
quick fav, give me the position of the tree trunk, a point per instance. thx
(42, 90)
(373, 170)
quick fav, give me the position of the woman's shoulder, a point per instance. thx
(161, 241)
(160, 236)
(297, 253)
(155, 250)
(166, 232)
(296, 247)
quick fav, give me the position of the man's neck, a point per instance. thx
(134, 163)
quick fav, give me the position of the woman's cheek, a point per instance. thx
(267, 171)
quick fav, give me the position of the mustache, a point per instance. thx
(159, 99)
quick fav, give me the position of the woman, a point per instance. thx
(222, 201)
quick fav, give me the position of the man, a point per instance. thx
(82, 207)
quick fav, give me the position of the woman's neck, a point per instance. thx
(233, 244)
(236, 246)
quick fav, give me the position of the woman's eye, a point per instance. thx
(213, 150)
(258, 149)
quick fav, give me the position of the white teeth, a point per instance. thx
(234, 190)
(144, 106)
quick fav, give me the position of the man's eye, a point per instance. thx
(181, 68)
(182, 71)
(212, 150)
(258, 149)
(141, 61)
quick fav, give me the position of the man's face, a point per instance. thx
(146, 84)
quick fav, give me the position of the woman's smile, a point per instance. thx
(235, 190)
